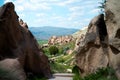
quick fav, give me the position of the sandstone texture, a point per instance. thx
(91, 53)
(60, 40)
(16, 41)
(100, 47)
(112, 11)
(12, 70)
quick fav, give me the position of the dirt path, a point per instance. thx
(62, 76)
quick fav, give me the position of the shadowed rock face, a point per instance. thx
(92, 53)
(12, 70)
(16, 41)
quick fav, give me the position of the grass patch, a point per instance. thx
(61, 61)
(59, 67)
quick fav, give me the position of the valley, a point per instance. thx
(56, 53)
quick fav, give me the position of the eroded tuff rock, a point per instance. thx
(101, 45)
(16, 41)
(112, 11)
(60, 40)
(92, 52)
(12, 70)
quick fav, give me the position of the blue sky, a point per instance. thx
(58, 13)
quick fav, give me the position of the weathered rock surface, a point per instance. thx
(79, 36)
(12, 70)
(78, 42)
(92, 50)
(60, 40)
(112, 11)
(16, 41)
(101, 45)
(113, 22)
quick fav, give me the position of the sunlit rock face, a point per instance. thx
(101, 44)
(60, 40)
(93, 50)
(112, 11)
(16, 41)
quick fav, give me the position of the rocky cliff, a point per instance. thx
(112, 11)
(17, 42)
(91, 53)
(101, 45)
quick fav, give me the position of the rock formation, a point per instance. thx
(112, 11)
(12, 70)
(101, 45)
(79, 42)
(92, 50)
(60, 40)
(79, 36)
(16, 41)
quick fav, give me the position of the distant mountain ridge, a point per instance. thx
(44, 33)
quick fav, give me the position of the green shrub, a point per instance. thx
(46, 51)
(76, 72)
(53, 50)
(61, 60)
(101, 74)
(59, 68)
(61, 51)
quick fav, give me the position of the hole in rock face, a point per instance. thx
(118, 34)
(102, 28)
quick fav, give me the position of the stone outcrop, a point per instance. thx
(79, 36)
(112, 11)
(91, 53)
(79, 42)
(60, 40)
(16, 41)
(101, 45)
(12, 70)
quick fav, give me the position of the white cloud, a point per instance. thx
(58, 18)
(21, 15)
(7, 1)
(66, 2)
(19, 8)
(19, 1)
(40, 14)
(76, 13)
(95, 11)
(75, 8)
(31, 5)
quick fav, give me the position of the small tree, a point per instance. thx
(53, 50)
(102, 6)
